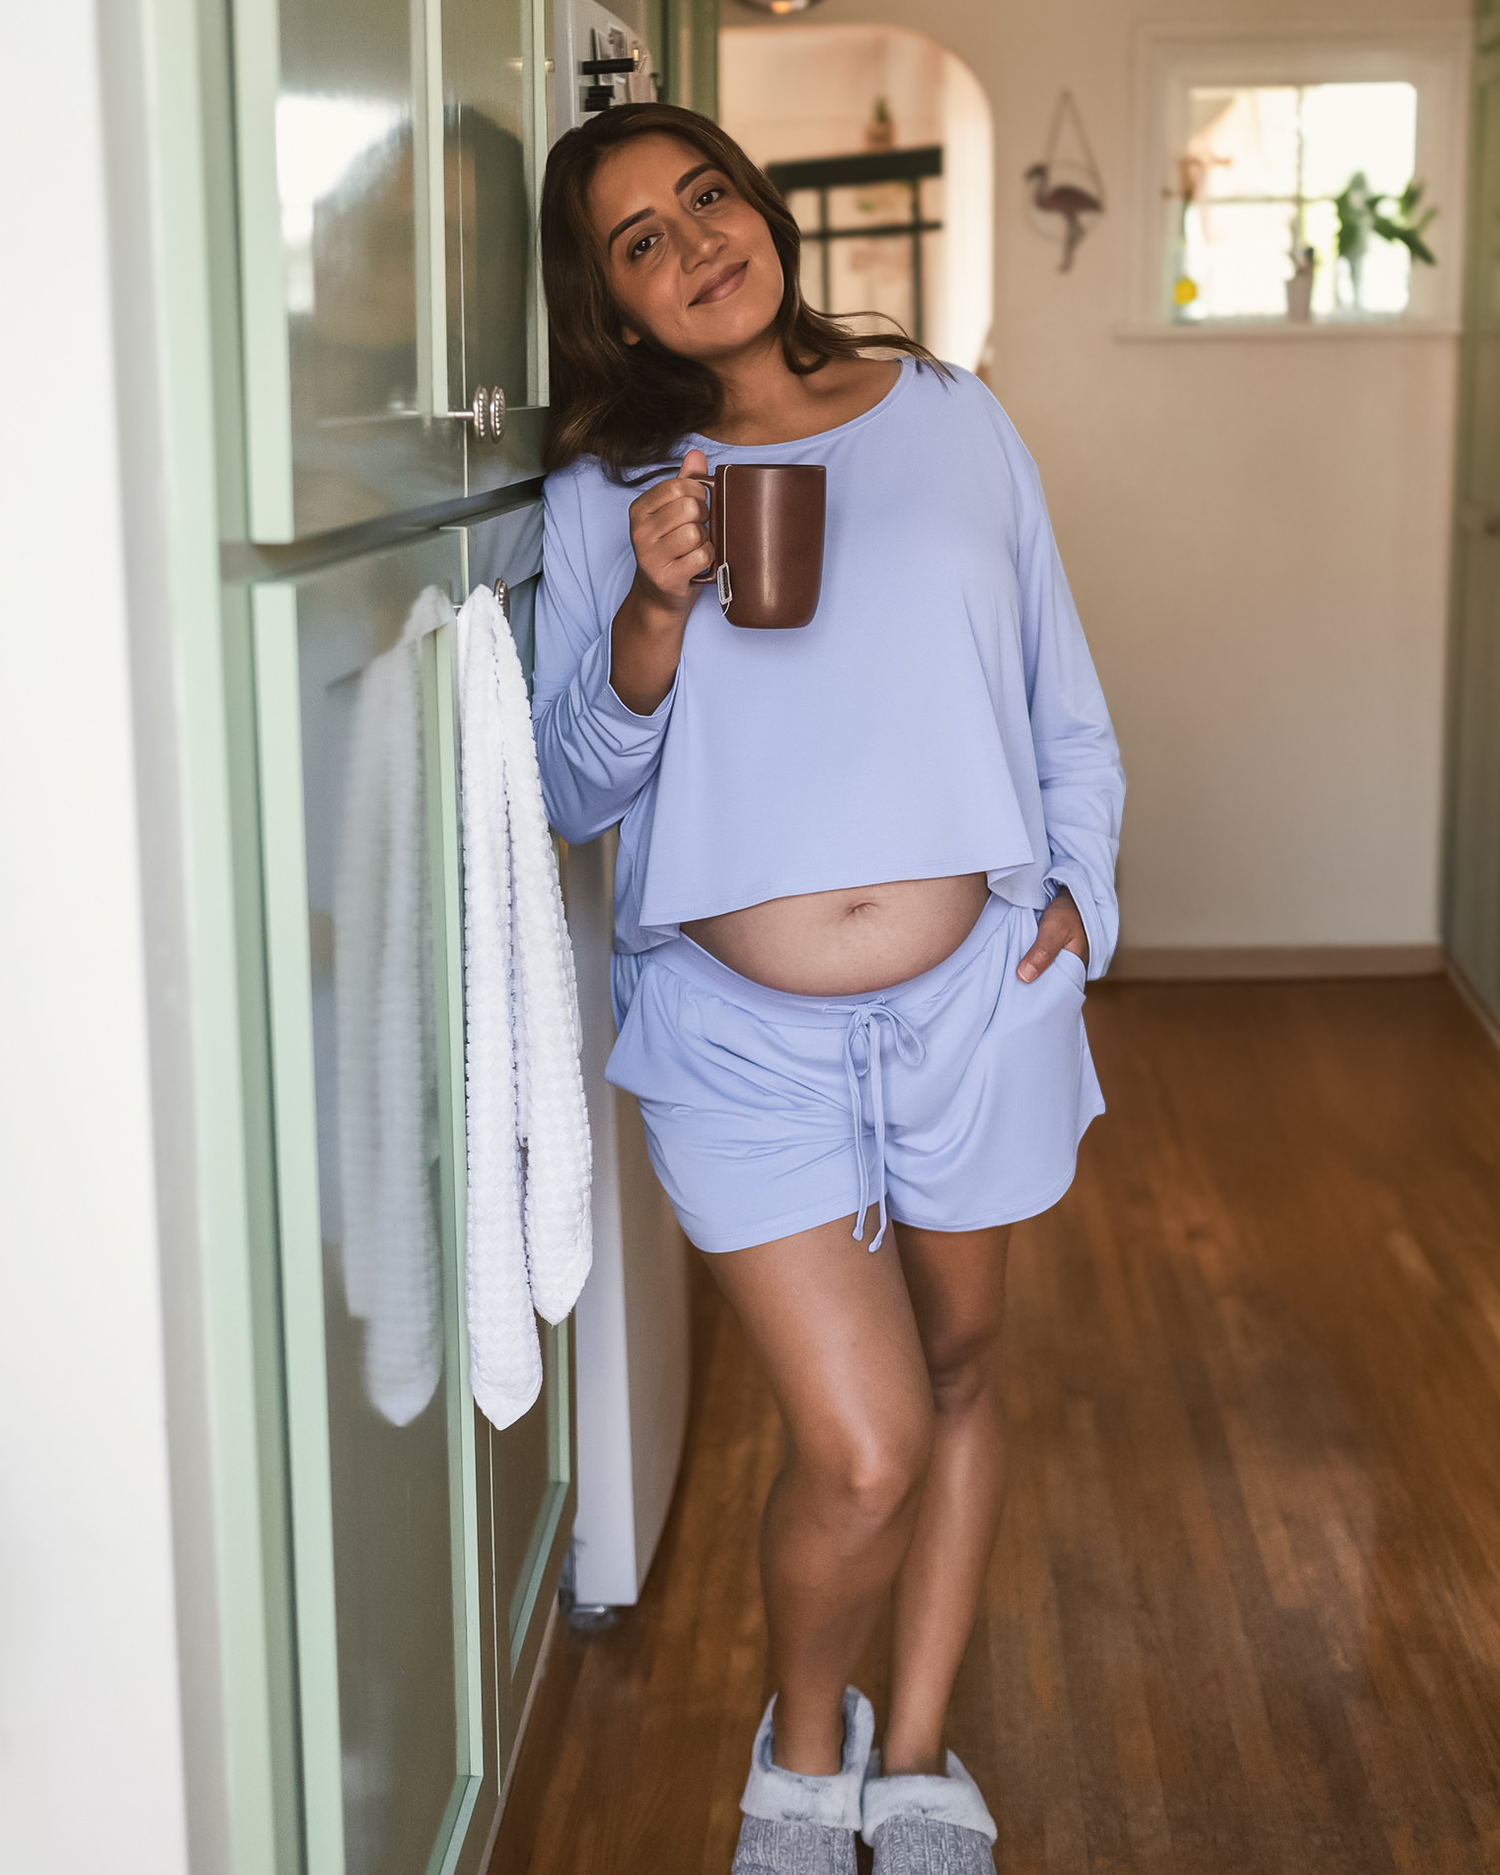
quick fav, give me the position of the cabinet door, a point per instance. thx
(1474, 829)
(390, 1563)
(426, 1546)
(382, 199)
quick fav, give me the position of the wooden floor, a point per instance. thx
(1245, 1610)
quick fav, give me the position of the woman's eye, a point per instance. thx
(709, 195)
(640, 247)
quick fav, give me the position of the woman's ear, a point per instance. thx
(630, 337)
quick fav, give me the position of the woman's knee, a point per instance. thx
(872, 1476)
(963, 1368)
(957, 1286)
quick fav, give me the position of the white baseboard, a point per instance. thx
(1228, 963)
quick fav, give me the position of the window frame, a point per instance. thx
(1172, 62)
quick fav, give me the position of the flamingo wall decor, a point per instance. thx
(1065, 189)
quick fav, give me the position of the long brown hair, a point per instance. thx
(630, 404)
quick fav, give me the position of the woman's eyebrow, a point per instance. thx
(692, 176)
(629, 222)
(642, 213)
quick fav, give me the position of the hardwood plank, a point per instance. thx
(1244, 1613)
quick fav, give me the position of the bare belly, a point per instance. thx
(846, 942)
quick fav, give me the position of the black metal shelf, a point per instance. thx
(851, 172)
(866, 170)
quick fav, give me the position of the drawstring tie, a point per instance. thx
(862, 1057)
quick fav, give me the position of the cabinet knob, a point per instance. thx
(486, 413)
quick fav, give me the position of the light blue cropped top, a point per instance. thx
(939, 715)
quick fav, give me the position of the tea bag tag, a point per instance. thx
(726, 590)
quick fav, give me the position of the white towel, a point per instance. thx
(388, 1143)
(529, 1237)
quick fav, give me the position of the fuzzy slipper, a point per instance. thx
(796, 1825)
(927, 1825)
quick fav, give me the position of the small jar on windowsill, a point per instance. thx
(1299, 289)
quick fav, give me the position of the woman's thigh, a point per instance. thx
(833, 1327)
(956, 1284)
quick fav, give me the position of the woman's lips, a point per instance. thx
(722, 285)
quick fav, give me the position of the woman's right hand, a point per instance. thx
(670, 545)
(669, 537)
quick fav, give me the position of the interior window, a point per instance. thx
(1260, 181)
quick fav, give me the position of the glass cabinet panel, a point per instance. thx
(357, 769)
(381, 1174)
(490, 137)
(386, 166)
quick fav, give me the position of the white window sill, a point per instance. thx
(1201, 331)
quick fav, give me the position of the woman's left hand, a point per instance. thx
(1060, 928)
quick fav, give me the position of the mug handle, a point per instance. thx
(708, 578)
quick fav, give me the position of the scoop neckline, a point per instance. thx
(904, 376)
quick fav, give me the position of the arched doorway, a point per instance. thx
(882, 141)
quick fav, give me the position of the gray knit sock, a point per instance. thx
(767, 1848)
(800, 1825)
(921, 1824)
(916, 1845)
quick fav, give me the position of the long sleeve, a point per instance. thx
(595, 755)
(1077, 758)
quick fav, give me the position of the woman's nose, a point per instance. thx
(701, 244)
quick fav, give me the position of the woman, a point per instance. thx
(863, 868)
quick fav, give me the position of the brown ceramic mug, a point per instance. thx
(765, 523)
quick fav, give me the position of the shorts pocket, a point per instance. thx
(1035, 1080)
(1074, 968)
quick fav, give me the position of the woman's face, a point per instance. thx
(690, 262)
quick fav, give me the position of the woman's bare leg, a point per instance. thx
(833, 1327)
(956, 1282)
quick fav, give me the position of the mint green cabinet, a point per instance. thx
(371, 175)
(424, 1546)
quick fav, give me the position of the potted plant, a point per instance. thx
(1363, 213)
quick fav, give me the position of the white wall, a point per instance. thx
(90, 1738)
(1256, 530)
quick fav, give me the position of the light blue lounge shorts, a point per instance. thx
(958, 1097)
